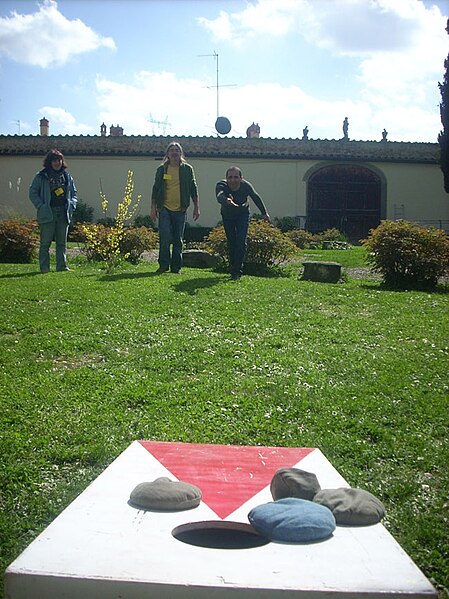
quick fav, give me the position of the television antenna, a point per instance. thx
(163, 124)
(217, 85)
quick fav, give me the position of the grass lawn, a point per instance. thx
(90, 362)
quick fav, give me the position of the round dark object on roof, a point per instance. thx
(222, 125)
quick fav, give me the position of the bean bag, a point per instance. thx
(293, 482)
(354, 507)
(165, 494)
(292, 520)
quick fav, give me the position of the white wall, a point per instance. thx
(280, 183)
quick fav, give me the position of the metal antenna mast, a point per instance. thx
(217, 85)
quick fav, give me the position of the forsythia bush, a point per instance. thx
(106, 243)
(132, 244)
(18, 241)
(408, 255)
(267, 246)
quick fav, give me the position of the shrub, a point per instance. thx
(136, 241)
(267, 246)
(18, 241)
(407, 255)
(106, 221)
(131, 245)
(195, 234)
(143, 220)
(83, 214)
(301, 238)
(329, 235)
(105, 243)
(286, 223)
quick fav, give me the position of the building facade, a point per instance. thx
(350, 185)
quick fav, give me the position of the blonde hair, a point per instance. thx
(170, 145)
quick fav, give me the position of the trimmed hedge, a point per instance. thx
(408, 255)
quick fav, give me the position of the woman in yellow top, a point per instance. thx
(174, 187)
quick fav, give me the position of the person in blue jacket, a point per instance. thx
(54, 195)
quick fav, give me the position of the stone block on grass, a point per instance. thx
(324, 272)
(199, 259)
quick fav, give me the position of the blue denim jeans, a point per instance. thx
(54, 230)
(171, 232)
(236, 229)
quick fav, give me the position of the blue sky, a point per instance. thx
(150, 66)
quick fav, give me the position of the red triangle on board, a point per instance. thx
(228, 475)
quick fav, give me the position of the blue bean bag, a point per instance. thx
(292, 520)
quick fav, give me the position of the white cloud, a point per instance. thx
(63, 122)
(46, 38)
(272, 17)
(397, 46)
(155, 96)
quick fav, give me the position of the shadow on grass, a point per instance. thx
(130, 275)
(192, 286)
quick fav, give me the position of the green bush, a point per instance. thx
(286, 223)
(131, 242)
(301, 238)
(106, 221)
(267, 246)
(136, 241)
(83, 214)
(143, 220)
(408, 255)
(195, 234)
(329, 235)
(18, 241)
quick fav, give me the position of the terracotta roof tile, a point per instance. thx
(222, 147)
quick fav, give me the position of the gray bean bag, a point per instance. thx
(354, 507)
(293, 482)
(165, 494)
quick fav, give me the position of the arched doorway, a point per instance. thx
(346, 197)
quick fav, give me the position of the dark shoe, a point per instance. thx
(236, 277)
(161, 270)
(175, 272)
(44, 272)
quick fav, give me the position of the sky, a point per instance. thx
(152, 67)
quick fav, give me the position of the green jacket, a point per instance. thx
(187, 184)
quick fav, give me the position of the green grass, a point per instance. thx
(91, 362)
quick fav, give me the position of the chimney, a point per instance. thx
(103, 130)
(115, 131)
(44, 126)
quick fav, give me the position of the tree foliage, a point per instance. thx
(443, 137)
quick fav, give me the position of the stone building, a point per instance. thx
(347, 184)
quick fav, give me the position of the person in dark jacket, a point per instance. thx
(232, 194)
(174, 187)
(54, 195)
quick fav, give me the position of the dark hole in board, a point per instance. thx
(219, 534)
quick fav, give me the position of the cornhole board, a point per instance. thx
(100, 547)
